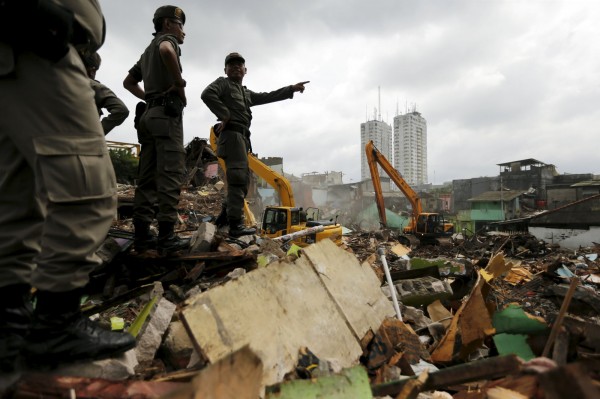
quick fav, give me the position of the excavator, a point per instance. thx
(287, 218)
(423, 227)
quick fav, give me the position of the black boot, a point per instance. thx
(237, 229)
(168, 241)
(142, 239)
(15, 319)
(60, 333)
(221, 220)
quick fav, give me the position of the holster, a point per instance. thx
(173, 105)
(139, 110)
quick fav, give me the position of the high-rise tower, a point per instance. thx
(381, 134)
(410, 147)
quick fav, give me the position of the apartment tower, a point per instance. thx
(381, 134)
(410, 147)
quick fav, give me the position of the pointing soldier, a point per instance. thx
(230, 101)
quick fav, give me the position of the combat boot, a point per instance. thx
(221, 220)
(60, 333)
(142, 239)
(237, 229)
(168, 241)
(15, 319)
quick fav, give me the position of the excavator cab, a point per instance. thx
(275, 222)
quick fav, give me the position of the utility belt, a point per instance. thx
(155, 102)
(172, 103)
(239, 128)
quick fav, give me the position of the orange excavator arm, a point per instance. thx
(374, 157)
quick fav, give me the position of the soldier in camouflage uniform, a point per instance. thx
(160, 132)
(230, 101)
(57, 183)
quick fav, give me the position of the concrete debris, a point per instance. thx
(496, 314)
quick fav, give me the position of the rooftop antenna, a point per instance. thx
(379, 101)
(396, 107)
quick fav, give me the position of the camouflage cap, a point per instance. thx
(234, 56)
(169, 12)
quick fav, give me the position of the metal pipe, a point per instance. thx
(301, 233)
(388, 277)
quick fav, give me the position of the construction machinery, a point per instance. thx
(287, 218)
(423, 227)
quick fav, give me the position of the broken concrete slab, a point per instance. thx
(177, 345)
(151, 337)
(202, 238)
(285, 306)
(422, 291)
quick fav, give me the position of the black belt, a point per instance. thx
(237, 128)
(155, 102)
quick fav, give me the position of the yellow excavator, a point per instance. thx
(426, 227)
(285, 219)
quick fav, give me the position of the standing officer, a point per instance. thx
(160, 132)
(57, 184)
(231, 102)
(104, 97)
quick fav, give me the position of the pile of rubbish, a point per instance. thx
(490, 316)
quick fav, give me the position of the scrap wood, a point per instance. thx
(38, 385)
(561, 315)
(238, 253)
(349, 383)
(490, 368)
(237, 375)
(311, 302)
(496, 267)
(470, 325)
(413, 387)
(570, 381)
(394, 338)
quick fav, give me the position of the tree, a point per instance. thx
(125, 165)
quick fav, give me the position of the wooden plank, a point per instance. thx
(350, 383)
(276, 310)
(354, 288)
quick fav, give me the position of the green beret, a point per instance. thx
(169, 12)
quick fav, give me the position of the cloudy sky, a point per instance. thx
(497, 80)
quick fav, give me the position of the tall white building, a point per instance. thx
(381, 134)
(410, 147)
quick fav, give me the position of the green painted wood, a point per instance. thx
(349, 383)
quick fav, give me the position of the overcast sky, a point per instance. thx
(497, 81)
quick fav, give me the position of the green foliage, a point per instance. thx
(125, 165)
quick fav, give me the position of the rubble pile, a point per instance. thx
(489, 316)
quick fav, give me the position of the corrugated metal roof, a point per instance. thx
(589, 183)
(524, 162)
(507, 195)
